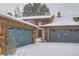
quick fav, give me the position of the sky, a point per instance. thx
(64, 8)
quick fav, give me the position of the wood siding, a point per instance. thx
(34, 35)
(46, 34)
(63, 27)
(36, 22)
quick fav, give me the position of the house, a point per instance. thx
(62, 29)
(39, 20)
(15, 32)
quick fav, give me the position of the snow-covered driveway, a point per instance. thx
(49, 49)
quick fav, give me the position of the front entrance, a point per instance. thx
(39, 33)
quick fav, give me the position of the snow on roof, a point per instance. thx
(37, 17)
(16, 19)
(63, 21)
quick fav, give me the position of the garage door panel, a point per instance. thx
(53, 35)
(71, 36)
(11, 37)
(19, 37)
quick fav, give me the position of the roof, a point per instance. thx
(63, 21)
(16, 19)
(37, 17)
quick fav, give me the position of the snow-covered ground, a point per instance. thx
(38, 39)
(49, 49)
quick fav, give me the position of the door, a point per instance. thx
(39, 33)
(54, 35)
(71, 36)
(23, 37)
(19, 37)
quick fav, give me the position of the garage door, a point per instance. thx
(19, 37)
(71, 36)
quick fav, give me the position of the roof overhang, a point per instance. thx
(43, 17)
(16, 19)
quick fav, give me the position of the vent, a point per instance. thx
(58, 14)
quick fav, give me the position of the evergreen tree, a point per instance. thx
(35, 9)
(44, 10)
(27, 10)
(17, 12)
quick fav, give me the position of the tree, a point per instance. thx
(35, 9)
(27, 10)
(44, 10)
(17, 12)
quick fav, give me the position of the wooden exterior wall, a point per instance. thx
(34, 34)
(36, 22)
(3, 31)
(65, 27)
(46, 34)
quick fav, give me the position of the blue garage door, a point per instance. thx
(71, 36)
(19, 36)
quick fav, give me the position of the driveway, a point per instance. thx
(49, 49)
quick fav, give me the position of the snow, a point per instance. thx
(49, 49)
(16, 19)
(37, 17)
(63, 21)
(38, 39)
